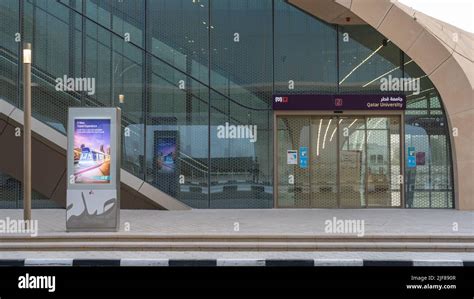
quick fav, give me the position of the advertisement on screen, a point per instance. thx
(92, 151)
(165, 153)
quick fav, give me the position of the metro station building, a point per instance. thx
(233, 104)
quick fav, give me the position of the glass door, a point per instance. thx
(293, 180)
(352, 167)
(383, 162)
(338, 161)
(323, 162)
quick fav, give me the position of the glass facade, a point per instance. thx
(298, 39)
(365, 56)
(185, 71)
(430, 184)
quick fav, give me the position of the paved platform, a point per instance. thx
(278, 222)
(442, 236)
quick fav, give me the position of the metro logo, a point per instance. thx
(281, 99)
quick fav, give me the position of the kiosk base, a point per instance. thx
(93, 210)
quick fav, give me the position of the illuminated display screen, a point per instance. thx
(165, 155)
(91, 151)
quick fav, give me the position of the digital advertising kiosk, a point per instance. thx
(93, 168)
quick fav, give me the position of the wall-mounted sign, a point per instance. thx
(291, 157)
(93, 157)
(411, 162)
(303, 157)
(339, 102)
(411, 159)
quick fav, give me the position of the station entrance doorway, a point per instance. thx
(325, 160)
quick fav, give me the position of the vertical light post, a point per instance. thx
(27, 59)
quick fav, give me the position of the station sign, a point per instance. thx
(93, 168)
(339, 102)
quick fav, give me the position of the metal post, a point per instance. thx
(27, 57)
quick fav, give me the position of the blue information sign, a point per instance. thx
(411, 162)
(303, 157)
(411, 157)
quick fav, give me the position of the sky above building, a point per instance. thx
(459, 13)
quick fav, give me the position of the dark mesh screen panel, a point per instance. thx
(428, 184)
(56, 33)
(9, 24)
(241, 50)
(10, 192)
(11, 195)
(124, 17)
(177, 135)
(241, 74)
(180, 34)
(365, 57)
(241, 164)
(303, 64)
